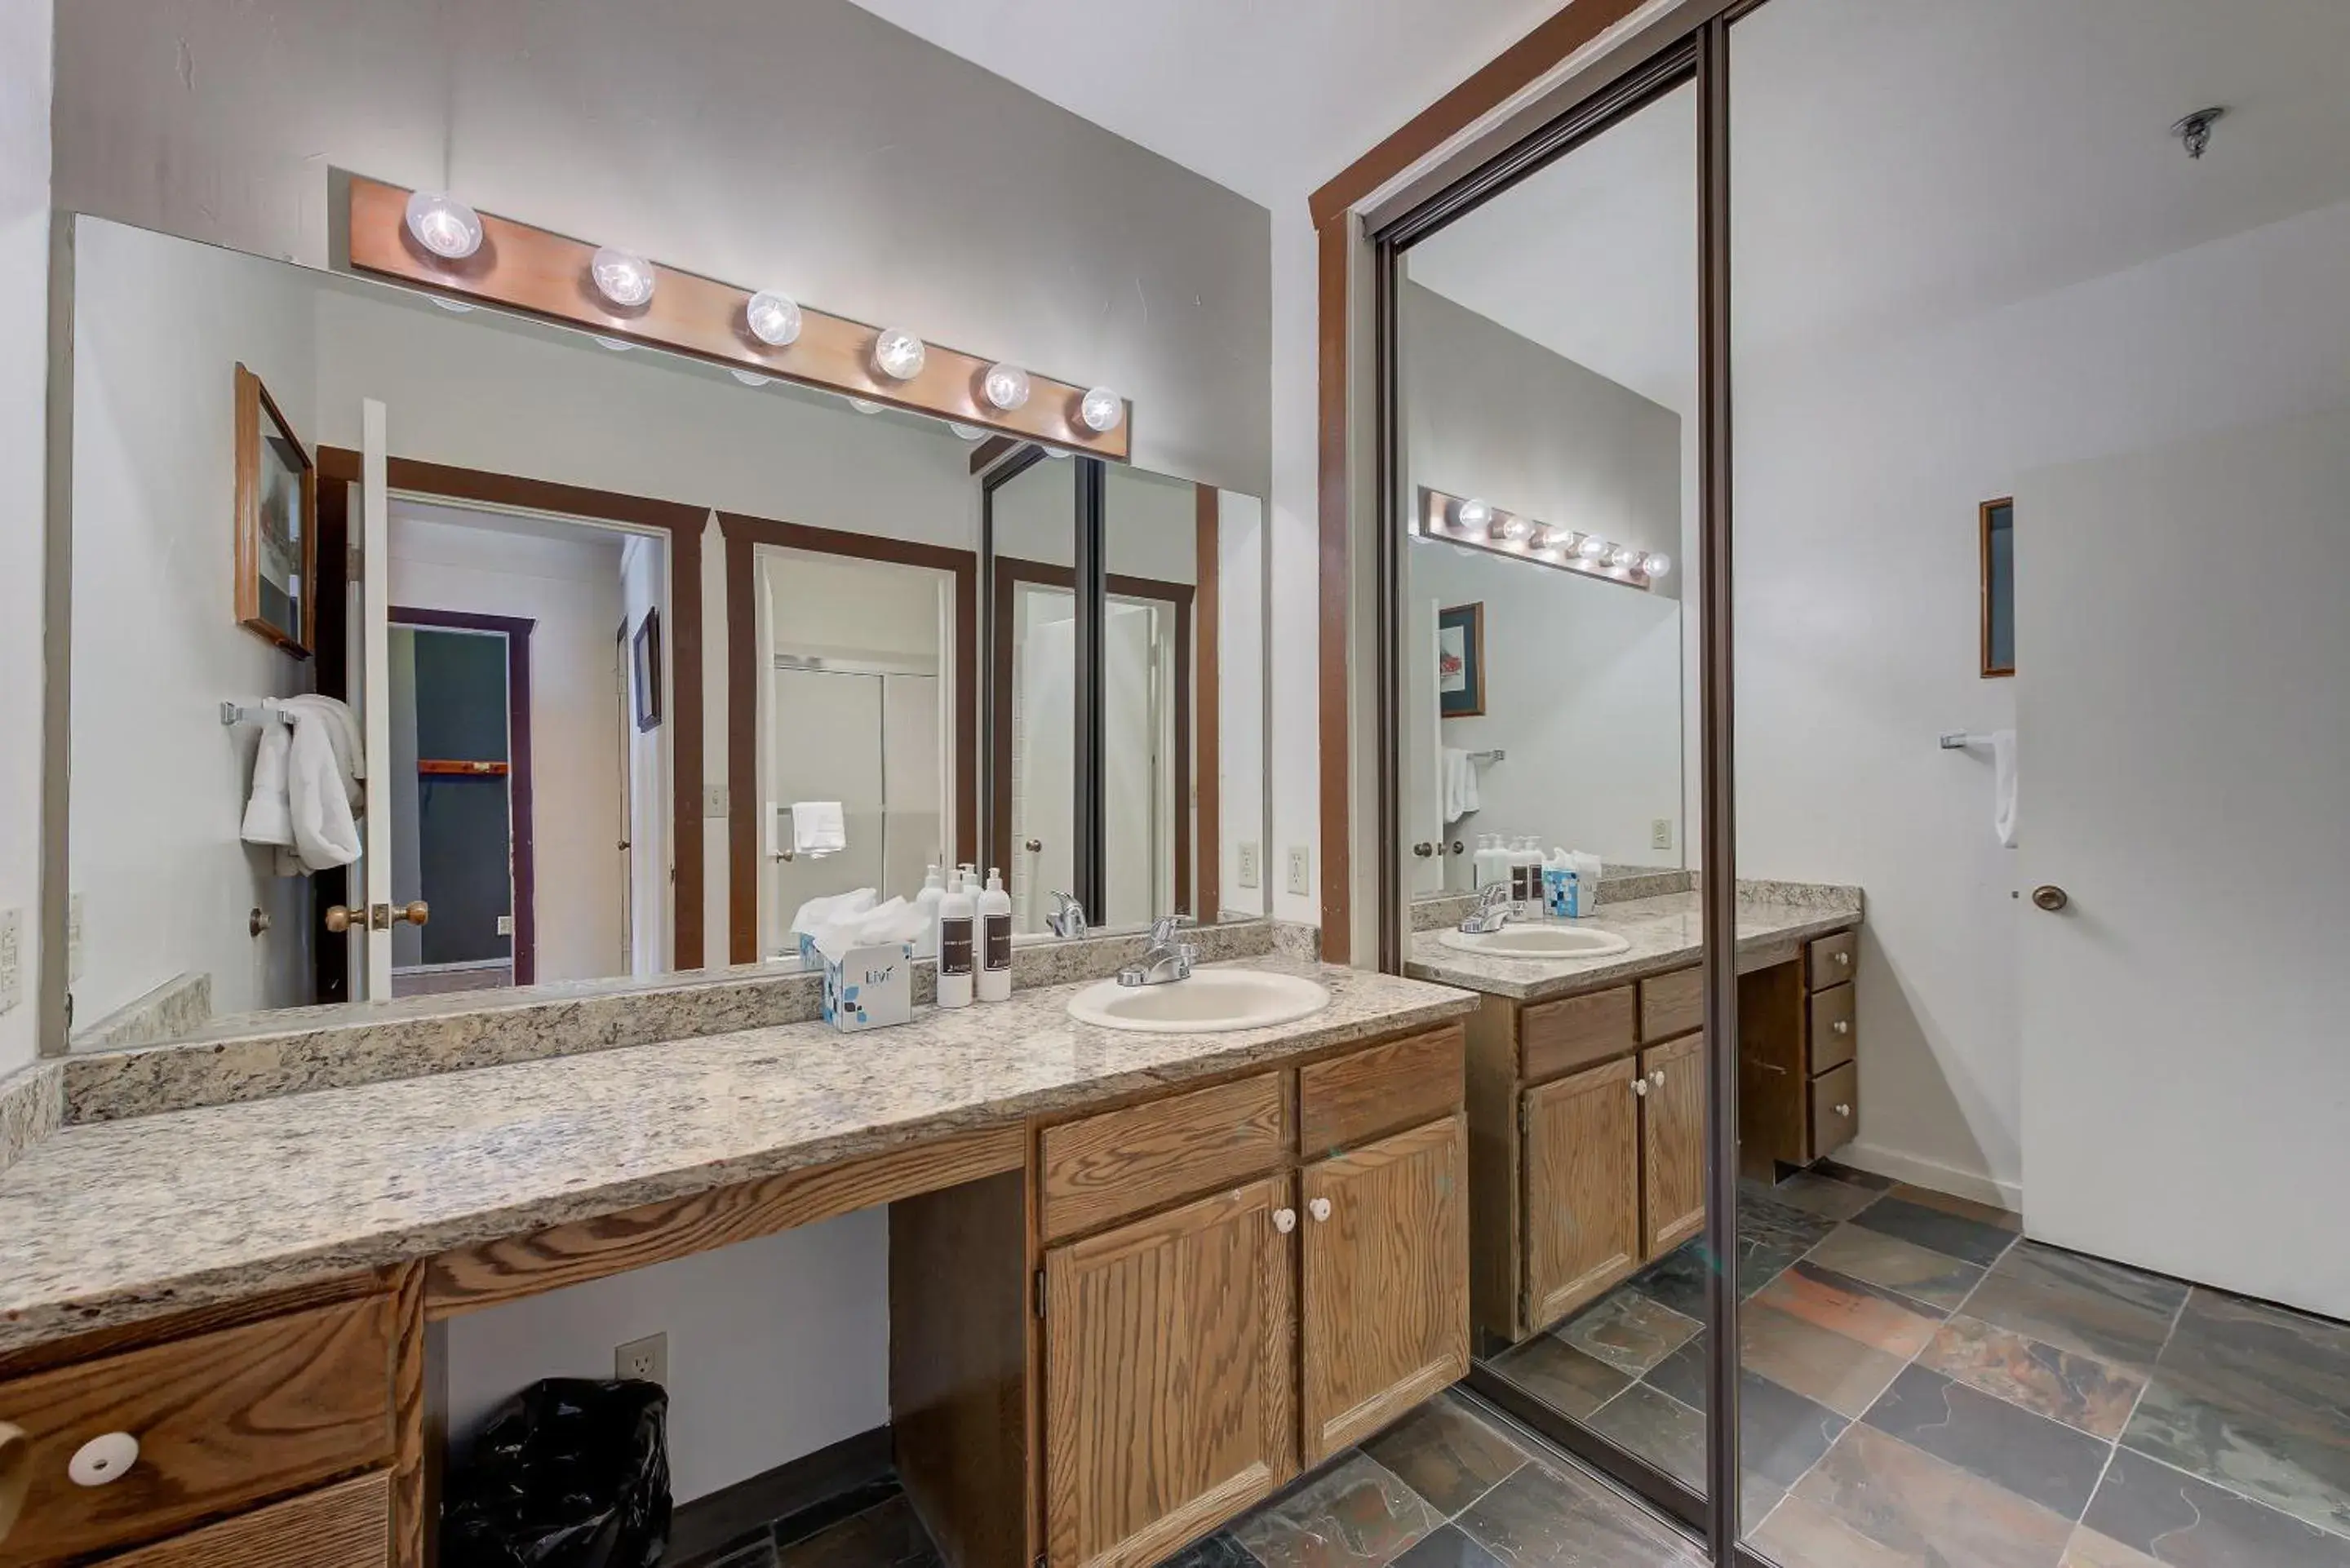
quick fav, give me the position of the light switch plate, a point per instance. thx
(505, 925)
(713, 800)
(1301, 871)
(1661, 833)
(1249, 869)
(11, 958)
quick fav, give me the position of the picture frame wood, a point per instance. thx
(276, 523)
(645, 670)
(1460, 661)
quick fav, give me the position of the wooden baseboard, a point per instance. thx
(710, 1522)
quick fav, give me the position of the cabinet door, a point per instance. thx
(1387, 1282)
(1169, 1377)
(1672, 1143)
(1582, 1189)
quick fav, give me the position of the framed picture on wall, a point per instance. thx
(277, 517)
(645, 670)
(1460, 661)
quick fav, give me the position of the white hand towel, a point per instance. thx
(321, 789)
(1459, 781)
(819, 828)
(2002, 763)
(268, 819)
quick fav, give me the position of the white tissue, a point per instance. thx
(895, 921)
(818, 913)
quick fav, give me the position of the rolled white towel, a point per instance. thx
(2002, 763)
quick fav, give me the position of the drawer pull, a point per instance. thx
(1285, 1221)
(1842, 1026)
(1319, 1208)
(1843, 957)
(103, 1460)
(1844, 1111)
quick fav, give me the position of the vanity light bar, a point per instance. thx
(435, 243)
(1467, 521)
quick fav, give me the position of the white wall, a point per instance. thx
(158, 783)
(24, 386)
(1240, 648)
(1583, 688)
(644, 587)
(1859, 470)
(776, 1347)
(569, 586)
(1295, 620)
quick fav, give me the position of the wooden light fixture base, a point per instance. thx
(545, 274)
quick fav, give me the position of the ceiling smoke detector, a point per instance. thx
(2195, 130)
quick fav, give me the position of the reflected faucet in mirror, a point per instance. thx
(1068, 916)
(1164, 962)
(1493, 910)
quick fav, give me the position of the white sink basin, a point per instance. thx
(1212, 999)
(1537, 943)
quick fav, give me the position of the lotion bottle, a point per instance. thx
(926, 901)
(995, 940)
(955, 947)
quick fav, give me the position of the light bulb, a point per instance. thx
(865, 405)
(1538, 539)
(1594, 548)
(1475, 514)
(614, 343)
(1516, 528)
(1622, 557)
(1101, 409)
(899, 355)
(622, 276)
(774, 318)
(749, 378)
(1658, 564)
(1005, 386)
(454, 307)
(968, 432)
(443, 225)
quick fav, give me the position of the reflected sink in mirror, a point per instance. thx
(1210, 1000)
(1538, 942)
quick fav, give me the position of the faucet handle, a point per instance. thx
(1162, 932)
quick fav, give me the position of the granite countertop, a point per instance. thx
(110, 1222)
(1665, 933)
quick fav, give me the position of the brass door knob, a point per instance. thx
(2050, 897)
(1035, 846)
(415, 913)
(338, 918)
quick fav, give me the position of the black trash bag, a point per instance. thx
(572, 1473)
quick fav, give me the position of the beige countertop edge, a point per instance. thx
(71, 1258)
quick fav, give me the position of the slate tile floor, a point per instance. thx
(1921, 1389)
(1921, 1385)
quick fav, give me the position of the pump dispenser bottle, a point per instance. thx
(994, 939)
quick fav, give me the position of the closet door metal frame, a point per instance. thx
(1699, 53)
(1087, 815)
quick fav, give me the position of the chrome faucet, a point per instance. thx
(1068, 916)
(1493, 910)
(1165, 960)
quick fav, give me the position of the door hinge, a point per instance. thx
(354, 563)
(1040, 1292)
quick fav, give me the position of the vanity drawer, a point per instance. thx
(1834, 1029)
(1352, 1099)
(344, 1526)
(1835, 1108)
(1672, 1003)
(1832, 960)
(1145, 1157)
(221, 1421)
(1557, 1037)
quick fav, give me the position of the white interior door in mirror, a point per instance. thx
(1044, 764)
(1139, 789)
(1423, 756)
(825, 742)
(370, 875)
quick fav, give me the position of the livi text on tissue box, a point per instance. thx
(870, 987)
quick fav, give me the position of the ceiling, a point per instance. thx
(1268, 97)
(1903, 163)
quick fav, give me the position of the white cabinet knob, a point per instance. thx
(1844, 1111)
(103, 1460)
(1639, 1086)
(1657, 1077)
(1842, 1026)
(1845, 959)
(1319, 1208)
(1285, 1221)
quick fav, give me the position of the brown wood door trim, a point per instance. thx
(744, 533)
(1333, 547)
(1208, 691)
(683, 523)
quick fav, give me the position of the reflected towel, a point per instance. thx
(820, 828)
(2002, 763)
(308, 793)
(1459, 781)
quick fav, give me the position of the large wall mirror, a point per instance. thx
(419, 652)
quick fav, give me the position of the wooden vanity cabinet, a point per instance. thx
(1198, 1355)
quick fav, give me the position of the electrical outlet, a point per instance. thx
(645, 1359)
(1301, 871)
(505, 925)
(1249, 870)
(1661, 833)
(11, 958)
(713, 800)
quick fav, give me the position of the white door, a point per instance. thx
(1137, 822)
(913, 781)
(2182, 664)
(1423, 756)
(1043, 808)
(824, 743)
(370, 887)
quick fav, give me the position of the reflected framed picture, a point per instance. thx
(645, 670)
(1460, 661)
(277, 518)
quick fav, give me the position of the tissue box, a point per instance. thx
(870, 987)
(1565, 898)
